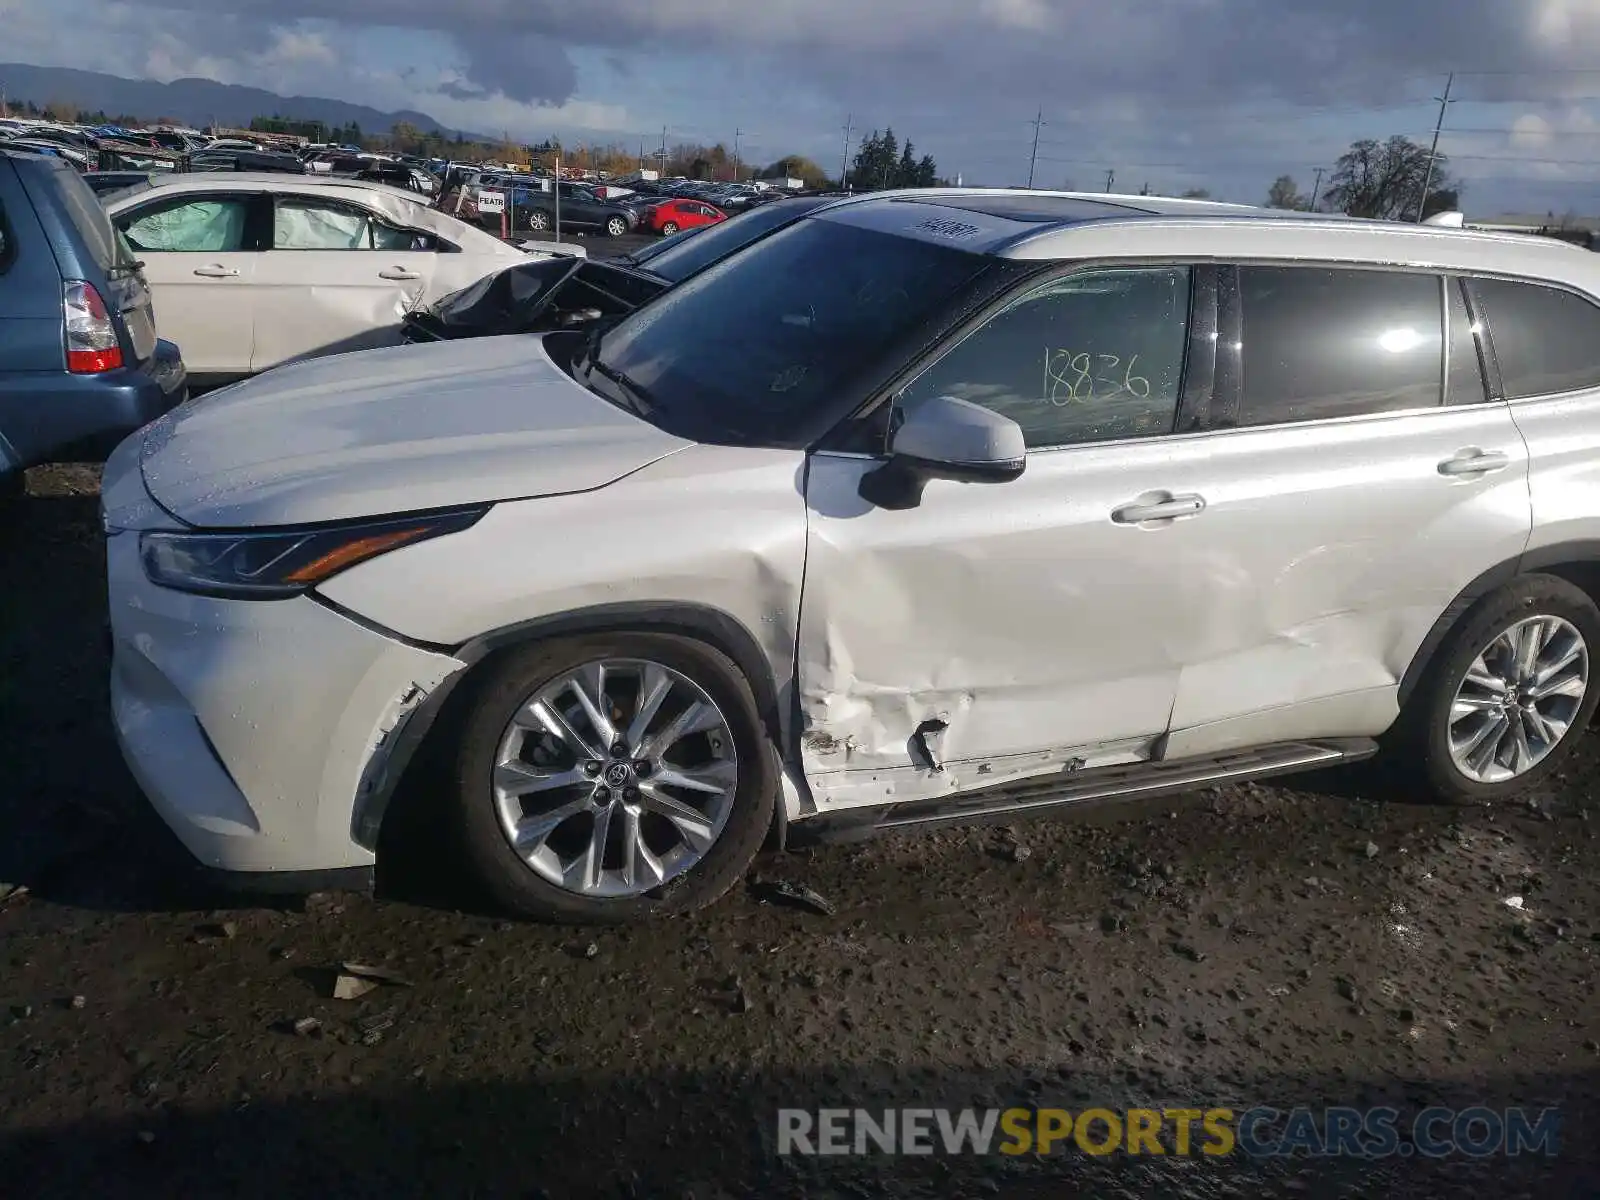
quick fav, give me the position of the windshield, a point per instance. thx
(681, 260)
(759, 349)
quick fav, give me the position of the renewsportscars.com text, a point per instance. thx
(1259, 1132)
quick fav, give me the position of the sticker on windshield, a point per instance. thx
(789, 378)
(954, 230)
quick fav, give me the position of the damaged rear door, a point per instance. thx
(1000, 631)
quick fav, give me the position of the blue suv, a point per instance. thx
(80, 363)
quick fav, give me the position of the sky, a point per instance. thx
(1220, 94)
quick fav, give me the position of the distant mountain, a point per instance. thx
(193, 101)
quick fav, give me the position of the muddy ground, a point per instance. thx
(1332, 942)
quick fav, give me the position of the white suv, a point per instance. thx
(927, 507)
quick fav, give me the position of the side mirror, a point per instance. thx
(945, 438)
(580, 316)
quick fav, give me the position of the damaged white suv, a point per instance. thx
(928, 507)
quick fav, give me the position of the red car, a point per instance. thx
(668, 217)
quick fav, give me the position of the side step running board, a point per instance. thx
(1139, 780)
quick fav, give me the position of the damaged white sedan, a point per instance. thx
(253, 270)
(928, 507)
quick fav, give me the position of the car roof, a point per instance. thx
(1041, 225)
(265, 181)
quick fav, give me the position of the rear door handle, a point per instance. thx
(1475, 462)
(1169, 509)
(217, 272)
(398, 273)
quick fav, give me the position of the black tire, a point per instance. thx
(616, 226)
(1421, 738)
(514, 884)
(670, 228)
(539, 221)
(13, 486)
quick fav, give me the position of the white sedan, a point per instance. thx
(250, 271)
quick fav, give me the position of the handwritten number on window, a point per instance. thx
(1077, 378)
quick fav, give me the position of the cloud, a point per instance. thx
(1189, 91)
(526, 67)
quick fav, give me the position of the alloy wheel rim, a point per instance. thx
(1518, 699)
(615, 778)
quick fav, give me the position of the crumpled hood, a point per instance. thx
(391, 431)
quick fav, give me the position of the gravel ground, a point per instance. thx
(1325, 943)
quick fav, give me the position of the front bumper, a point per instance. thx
(261, 731)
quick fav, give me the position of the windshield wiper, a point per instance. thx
(640, 402)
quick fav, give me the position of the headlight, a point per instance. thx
(277, 563)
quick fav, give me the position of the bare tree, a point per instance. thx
(1285, 193)
(1385, 180)
(1197, 194)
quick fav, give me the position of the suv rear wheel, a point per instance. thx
(1509, 693)
(538, 220)
(606, 778)
(617, 226)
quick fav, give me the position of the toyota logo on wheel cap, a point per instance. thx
(618, 774)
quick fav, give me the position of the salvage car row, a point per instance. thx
(853, 514)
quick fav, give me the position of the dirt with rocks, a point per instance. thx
(1327, 942)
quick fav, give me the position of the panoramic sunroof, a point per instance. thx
(1040, 210)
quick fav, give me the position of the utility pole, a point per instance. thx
(1038, 124)
(662, 168)
(844, 159)
(1111, 177)
(1438, 128)
(1316, 191)
(736, 134)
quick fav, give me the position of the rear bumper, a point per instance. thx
(47, 416)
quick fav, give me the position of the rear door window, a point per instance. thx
(1546, 340)
(1328, 342)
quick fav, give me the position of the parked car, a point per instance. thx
(537, 297)
(80, 363)
(579, 208)
(251, 271)
(106, 183)
(923, 509)
(672, 216)
(232, 159)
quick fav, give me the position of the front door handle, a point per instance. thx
(217, 272)
(1168, 509)
(1475, 462)
(398, 273)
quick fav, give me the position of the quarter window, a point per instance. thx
(1546, 340)
(198, 227)
(1322, 343)
(1089, 358)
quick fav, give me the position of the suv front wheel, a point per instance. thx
(1509, 693)
(606, 778)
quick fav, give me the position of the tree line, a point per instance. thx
(1396, 179)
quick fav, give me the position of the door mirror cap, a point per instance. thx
(946, 438)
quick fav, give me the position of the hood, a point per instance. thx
(391, 431)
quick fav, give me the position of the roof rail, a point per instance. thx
(1449, 220)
